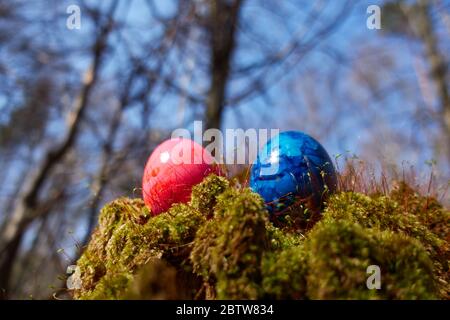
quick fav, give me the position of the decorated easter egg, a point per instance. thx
(173, 168)
(293, 168)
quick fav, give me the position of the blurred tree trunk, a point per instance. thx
(27, 207)
(438, 67)
(223, 20)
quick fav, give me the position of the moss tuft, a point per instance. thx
(378, 212)
(112, 286)
(280, 239)
(122, 244)
(428, 210)
(229, 248)
(387, 214)
(340, 252)
(204, 194)
(284, 273)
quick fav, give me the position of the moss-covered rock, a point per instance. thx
(222, 245)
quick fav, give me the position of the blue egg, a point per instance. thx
(291, 168)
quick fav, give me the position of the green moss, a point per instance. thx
(112, 286)
(229, 248)
(436, 219)
(204, 194)
(378, 212)
(92, 269)
(284, 273)
(387, 214)
(222, 245)
(281, 239)
(340, 252)
(124, 242)
(202, 252)
(428, 210)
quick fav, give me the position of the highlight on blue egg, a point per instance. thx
(293, 168)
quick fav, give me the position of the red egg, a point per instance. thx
(173, 168)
